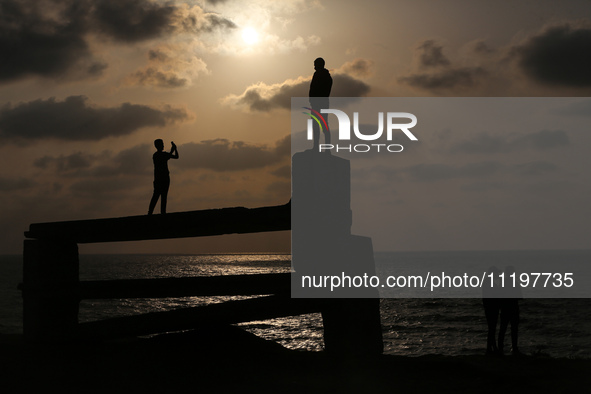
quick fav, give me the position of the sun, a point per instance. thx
(250, 36)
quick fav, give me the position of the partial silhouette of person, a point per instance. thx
(161, 174)
(492, 307)
(320, 88)
(510, 313)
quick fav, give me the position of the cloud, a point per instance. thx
(132, 20)
(481, 47)
(261, 97)
(168, 67)
(153, 76)
(437, 73)
(432, 55)
(357, 68)
(225, 155)
(218, 155)
(558, 55)
(50, 38)
(74, 119)
(138, 20)
(555, 57)
(13, 184)
(67, 163)
(485, 143)
(463, 77)
(32, 42)
(133, 161)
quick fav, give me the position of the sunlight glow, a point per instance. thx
(250, 36)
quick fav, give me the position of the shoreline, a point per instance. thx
(227, 359)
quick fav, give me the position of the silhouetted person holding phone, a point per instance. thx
(510, 314)
(319, 92)
(161, 174)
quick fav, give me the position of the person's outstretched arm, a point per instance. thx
(174, 152)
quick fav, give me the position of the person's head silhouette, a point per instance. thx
(159, 144)
(319, 64)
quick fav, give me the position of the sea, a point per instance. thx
(558, 328)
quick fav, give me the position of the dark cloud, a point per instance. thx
(441, 74)
(132, 161)
(169, 67)
(217, 155)
(75, 120)
(138, 20)
(160, 78)
(135, 160)
(463, 77)
(73, 162)
(485, 143)
(34, 43)
(133, 20)
(264, 98)
(49, 38)
(13, 184)
(431, 54)
(559, 55)
(157, 55)
(225, 155)
(482, 48)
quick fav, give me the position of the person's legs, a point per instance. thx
(492, 316)
(164, 195)
(154, 199)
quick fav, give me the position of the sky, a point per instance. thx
(86, 87)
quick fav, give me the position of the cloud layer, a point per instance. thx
(50, 38)
(262, 97)
(557, 55)
(74, 119)
(225, 155)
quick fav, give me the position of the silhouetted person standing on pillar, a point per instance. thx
(161, 174)
(319, 92)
